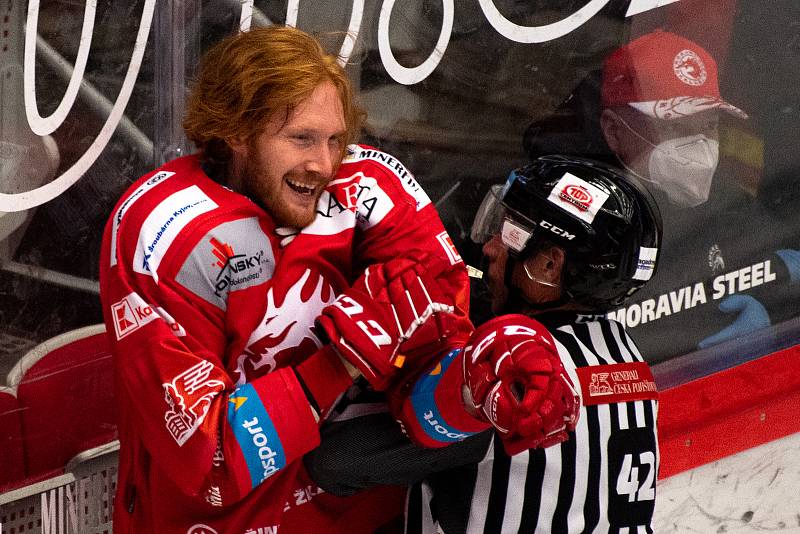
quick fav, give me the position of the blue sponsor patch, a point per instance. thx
(424, 404)
(255, 433)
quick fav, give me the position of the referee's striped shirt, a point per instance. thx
(602, 480)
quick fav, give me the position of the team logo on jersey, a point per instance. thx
(189, 397)
(201, 529)
(689, 68)
(286, 327)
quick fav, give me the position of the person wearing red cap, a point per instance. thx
(655, 108)
(661, 104)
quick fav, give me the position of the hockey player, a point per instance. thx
(210, 292)
(565, 239)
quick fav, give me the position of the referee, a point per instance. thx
(565, 240)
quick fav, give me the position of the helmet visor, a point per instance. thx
(495, 217)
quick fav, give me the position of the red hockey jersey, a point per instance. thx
(207, 311)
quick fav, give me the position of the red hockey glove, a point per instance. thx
(517, 382)
(394, 313)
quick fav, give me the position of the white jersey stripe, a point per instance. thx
(151, 182)
(605, 433)
(550, 485)
(480, 496)
(516, 479)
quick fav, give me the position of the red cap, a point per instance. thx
(665, 76)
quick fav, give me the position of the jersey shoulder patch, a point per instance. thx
(232, 256)
(369, 156)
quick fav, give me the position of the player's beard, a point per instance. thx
(285, 205)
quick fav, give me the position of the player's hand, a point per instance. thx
(516, 381)
(396, 314)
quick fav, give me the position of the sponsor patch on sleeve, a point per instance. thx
(620, 382)
(164, 224)
(578, 197)
(132, 312)
(255, 433)
(449, 248)
(646, 263)
(232, 256)
(423, 400)
(407, 180)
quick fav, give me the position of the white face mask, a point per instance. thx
(683, 168)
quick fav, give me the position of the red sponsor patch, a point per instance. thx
(578, 196)
(620, 382)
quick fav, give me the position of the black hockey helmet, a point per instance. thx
(607, 223)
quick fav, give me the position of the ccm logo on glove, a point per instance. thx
(370, 327)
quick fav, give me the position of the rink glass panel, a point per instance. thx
(461, 92)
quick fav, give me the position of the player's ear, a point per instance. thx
(237, 144)
(553, 264)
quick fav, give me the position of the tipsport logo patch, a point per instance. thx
(256, 435)
(424, 404)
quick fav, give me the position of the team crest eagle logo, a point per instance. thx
(286, 330)
(689, 68)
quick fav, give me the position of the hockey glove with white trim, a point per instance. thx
(395, 315)
(515, 380)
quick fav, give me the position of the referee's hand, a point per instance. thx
(515, 380)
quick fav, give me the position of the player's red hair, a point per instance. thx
(246, 78)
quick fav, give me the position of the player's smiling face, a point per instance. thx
(287, 166)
